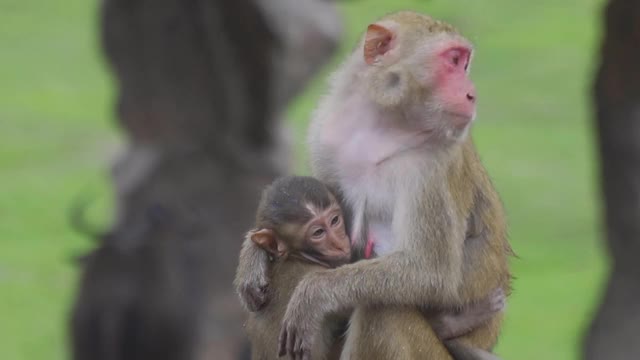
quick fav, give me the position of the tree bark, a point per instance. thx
(201, 86)
(614, 333)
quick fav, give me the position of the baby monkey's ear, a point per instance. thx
(267, 240)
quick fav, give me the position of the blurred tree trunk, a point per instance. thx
(615, 332)
(201, 85)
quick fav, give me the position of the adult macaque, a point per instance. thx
(392, 138)
(300, 224)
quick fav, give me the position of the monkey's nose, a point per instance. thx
(471, 97)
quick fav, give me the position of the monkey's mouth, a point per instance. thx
(338, 259)
(335, 262)
(330, 262)
(460, 120)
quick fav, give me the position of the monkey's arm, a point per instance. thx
(395, 279)
(427, 270)
(252, 279)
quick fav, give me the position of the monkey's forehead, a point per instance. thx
(319, 210)
(420, 22)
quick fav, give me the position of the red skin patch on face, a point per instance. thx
(456, 91)
(456, 57)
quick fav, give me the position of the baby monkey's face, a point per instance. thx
(325, 236)
(299, 216)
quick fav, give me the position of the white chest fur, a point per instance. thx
(376, 162)
(375, 171)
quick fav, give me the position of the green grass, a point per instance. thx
(533, 69)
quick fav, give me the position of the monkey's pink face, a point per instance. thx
(425, 73)
(453, 88)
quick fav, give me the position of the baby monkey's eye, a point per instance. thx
(318, 233)
(335, 220)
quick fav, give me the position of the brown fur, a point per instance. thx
(486, 251)
(450, 228)
(448, 245)
(263, 326)
(421, 25)
(289, 207)
(410, 327)
(385, 333)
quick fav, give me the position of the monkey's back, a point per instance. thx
(263, 327)
(381, 333)
(486, 248)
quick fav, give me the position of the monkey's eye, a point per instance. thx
(455, 60)
(335, 220)
(317, 233)
(456, 57)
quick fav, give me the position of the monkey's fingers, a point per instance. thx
(303, 350)
(254, 298)
(498, 300)
(497, 293)
(259, 298)
(297, 348)
(282, 341)
(291, 340)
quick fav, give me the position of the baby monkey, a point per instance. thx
(301, 225)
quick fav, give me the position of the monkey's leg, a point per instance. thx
(486, 336)
(462, 351)
(392, 333)
(477, 344)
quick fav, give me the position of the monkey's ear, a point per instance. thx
(377, 42)
(266, 239)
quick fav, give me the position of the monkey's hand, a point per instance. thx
(302, 321)
(252, 281)
(253, 293)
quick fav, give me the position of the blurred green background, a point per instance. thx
(533, 69)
